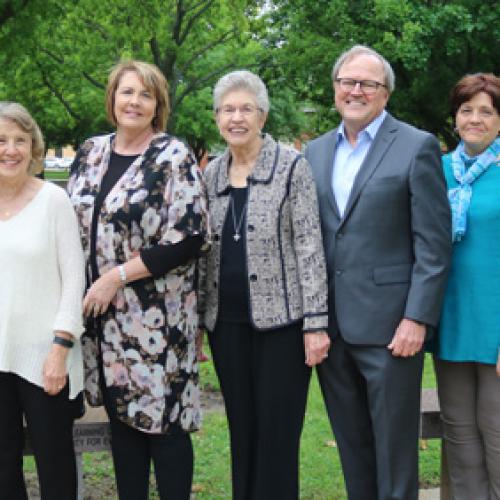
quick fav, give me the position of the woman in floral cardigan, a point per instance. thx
(142, 213)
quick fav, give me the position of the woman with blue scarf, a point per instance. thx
(467, 347)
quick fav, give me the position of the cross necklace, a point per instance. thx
(237, 225)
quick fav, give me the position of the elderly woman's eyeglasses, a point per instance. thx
(368, 87)
(246, 110)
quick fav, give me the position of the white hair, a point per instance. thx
(242, 80)
(357, 50)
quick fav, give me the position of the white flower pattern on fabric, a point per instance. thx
(154, 318)
(150, 222)
(148, 333)
(116, 200)
(139, 196)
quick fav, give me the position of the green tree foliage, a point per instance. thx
(9, 8)
(430, 44)
(57, 55)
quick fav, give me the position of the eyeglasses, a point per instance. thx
(368, 87)
(246, 110)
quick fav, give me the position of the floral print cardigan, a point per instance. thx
(146, 339)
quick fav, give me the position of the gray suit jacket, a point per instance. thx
(388, 256)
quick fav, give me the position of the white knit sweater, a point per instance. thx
(41, 286)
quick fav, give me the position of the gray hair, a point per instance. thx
(358, 50)
(18, 114)
(242, 80)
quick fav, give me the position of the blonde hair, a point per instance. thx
(18, 114)
(152, 78)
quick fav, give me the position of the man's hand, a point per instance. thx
(408, 339)
(316, 345)
(498, 363)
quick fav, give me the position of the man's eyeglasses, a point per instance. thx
(368, 87)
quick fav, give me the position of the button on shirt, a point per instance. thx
(348, 159)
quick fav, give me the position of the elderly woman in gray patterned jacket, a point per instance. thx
(263, 292)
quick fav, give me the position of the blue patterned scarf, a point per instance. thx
(466, 170)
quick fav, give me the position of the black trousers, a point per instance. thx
(49, 421)
(373, 401)
(264, 381)
(133, 450)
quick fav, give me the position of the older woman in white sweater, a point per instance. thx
(41, 287)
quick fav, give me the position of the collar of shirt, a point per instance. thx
(348, 159)
(370, 130)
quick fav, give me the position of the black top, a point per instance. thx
(158, 259)
(233, 295)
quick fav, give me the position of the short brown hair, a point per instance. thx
(18, 114)
(470, 85)
(153, 80)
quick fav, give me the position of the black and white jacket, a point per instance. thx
(287, 278)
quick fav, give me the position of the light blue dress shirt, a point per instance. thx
(347, 159)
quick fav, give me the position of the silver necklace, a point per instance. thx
(237, 226)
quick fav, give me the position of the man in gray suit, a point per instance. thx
(387, 237)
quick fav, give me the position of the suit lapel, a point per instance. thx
(375, 155)
(328, 170)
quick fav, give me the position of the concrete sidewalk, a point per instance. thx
(431, 494)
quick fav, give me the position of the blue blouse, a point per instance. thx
(470, 323)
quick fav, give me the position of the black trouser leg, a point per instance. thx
(264, 382)
(173, 465)
(133, 450)
(50, 427)
(231, 348)
(11, 440)
(131, 459)
(280, 392)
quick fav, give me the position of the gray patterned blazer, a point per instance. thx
(287, 277)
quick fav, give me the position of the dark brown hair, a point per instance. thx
(470, 85)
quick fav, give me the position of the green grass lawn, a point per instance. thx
(59, 175)
(320, 472)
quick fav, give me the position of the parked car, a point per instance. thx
(66, 162)
(51, 162)
(55, 163)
